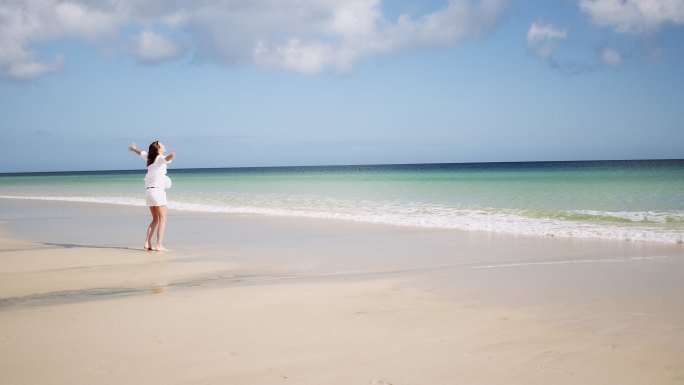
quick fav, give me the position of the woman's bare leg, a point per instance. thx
(161, 215)
(152, 227)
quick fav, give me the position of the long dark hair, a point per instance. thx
(153, 152)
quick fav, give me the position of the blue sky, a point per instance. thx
(310, 82)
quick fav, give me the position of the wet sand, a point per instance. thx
(263, 300)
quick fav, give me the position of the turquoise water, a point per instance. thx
(624, 200)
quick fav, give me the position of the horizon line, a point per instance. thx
(24, 173)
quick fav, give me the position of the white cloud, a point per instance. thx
(298, 56)
(634, 16)
(154, 48)
(460, 20)
(24, 23)
(29, 69)
(611, 57)
(542, 39)
(298, 35)
(81, 21)
(358, 29)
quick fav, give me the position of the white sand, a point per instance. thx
(269, 305)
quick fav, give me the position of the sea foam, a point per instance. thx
(636, 226)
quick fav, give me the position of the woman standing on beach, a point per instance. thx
(156, 183)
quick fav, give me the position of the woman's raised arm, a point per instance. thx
(133, 148)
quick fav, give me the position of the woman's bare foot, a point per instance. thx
(147, 247)
(162, 248)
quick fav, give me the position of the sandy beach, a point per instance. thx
(248, 299)
(367, 192)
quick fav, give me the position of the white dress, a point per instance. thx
(156, 181)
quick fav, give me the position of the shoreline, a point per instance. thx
(505, 223)
(251, 244)
(257, 300)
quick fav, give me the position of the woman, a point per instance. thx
(156, 183)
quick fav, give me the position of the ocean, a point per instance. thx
(618, 200)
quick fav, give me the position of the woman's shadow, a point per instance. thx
(77, 246)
